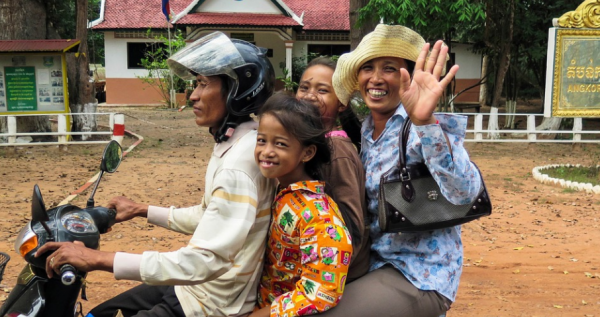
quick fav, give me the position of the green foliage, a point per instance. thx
(62, 17)
(531, 40)
(298, 67)
(483, 22)
(434, 19)
(359, 107)
(95, 38)
(288, 82)
(155, 62)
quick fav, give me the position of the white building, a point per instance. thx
(287, 28)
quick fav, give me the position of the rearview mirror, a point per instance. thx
(112, 157)
(38, 208)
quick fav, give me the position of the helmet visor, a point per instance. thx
(213, 54)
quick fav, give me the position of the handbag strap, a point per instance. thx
(403, 141)
(408, 191)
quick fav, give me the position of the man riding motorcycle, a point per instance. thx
(216, 274)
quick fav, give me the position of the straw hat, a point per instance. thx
(384, 41)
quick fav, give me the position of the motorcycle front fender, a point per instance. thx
(37, 296)
(27, 299)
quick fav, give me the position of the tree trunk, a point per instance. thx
(358, 32)
(501, 74)
(504, 55)
(24, 20)
(483, 93)
(493, 124)
(551, 123)
(81, 86)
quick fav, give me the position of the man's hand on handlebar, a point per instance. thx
(127, 209)
(76, 254)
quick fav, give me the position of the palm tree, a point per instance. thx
(309, 286)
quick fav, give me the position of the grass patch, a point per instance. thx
(575, 174)
(569, 190)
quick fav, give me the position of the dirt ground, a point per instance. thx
(536, 255)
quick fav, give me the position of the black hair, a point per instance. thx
(322, 60)
(225, 85)
(349, 120)
(303, 121)
(352, 126)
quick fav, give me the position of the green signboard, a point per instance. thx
(33, 83)
(21, 93)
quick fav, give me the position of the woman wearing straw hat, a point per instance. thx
(411, 274)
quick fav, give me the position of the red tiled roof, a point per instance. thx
(238, 19)
(326, 15)
(38, 45)
(136, 14)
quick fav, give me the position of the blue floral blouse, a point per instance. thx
(430, 260)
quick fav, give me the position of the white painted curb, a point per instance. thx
(538, 174)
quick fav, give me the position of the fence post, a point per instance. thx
(531, 135)
(577, 127)
(62, 128)
(118, 128)
(11, 121)
(478, 125)
(111, 120)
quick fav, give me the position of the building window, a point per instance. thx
(323, 36)
(133, 34)
(137, 51)
(248, 37)
(328, 49)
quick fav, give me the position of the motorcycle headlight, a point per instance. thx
(26, 240)
(78, 222)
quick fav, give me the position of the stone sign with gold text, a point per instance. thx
(573, 68)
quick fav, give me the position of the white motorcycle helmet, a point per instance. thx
(250, 75)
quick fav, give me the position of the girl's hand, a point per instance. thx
(420, 97)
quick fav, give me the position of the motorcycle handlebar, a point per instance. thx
(104, 218)
(68, 274)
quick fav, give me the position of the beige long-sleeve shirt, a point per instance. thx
(217, 273)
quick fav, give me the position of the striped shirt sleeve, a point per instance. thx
(219, 235)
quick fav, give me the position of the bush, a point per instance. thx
(159, 76)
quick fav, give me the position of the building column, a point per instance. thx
(288, 57)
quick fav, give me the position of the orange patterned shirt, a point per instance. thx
(308, 252)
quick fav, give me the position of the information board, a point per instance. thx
(21, 94)
(31, 83)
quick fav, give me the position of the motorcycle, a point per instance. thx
(36, 295)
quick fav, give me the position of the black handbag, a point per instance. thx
(410, 199)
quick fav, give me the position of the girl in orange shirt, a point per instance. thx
(309, 247)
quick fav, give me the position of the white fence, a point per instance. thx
(528, 132)
(475, 132)
(114, 121)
